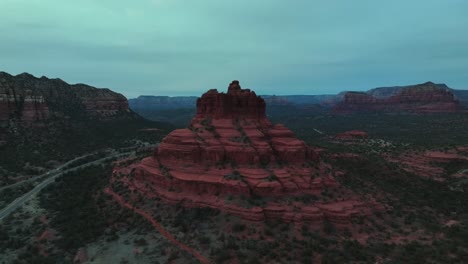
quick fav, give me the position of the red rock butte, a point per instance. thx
(233, 159)
(421, 98)
(237, 103)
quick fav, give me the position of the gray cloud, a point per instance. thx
(275, 47)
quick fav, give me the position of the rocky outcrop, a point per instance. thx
(101, 103)
(431, 164)
(233, 159)
(384, 92)
(232, 127)
(29, 99)
(423, 98)
(351, 135)
(237, 103)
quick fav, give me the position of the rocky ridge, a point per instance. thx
(29, 99)
(423, 98)
(233, 159)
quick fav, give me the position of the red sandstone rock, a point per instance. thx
(426, 164)
(422, 98)
(231, 153)
(353, 134)
(236, 103)
(232, 127)
(26, 106)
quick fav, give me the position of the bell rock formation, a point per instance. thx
(233, 159)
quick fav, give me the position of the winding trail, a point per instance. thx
(158, 226)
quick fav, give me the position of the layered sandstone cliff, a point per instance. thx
(29, 99)
(423, 98)
(233, 159)
(28, 106)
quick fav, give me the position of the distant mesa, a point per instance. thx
(422, 98)
(233, 159)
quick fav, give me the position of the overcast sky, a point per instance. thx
(175, 47)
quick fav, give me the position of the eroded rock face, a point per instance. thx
(432, 164)
(233, 159)
(103, 103)
(27, 106)
(423, 98)
(30, 99)
(236, 103)
(232, 128)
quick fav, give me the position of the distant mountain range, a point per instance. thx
(148, 106)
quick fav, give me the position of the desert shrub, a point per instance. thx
(238, 227)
